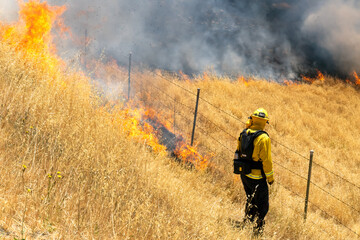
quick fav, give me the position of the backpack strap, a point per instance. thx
(257, 164)
(258, 133)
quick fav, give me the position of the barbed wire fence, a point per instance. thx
(154, 90)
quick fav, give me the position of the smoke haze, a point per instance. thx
(8, 10)
(265, 38)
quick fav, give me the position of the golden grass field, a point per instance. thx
(69, 169)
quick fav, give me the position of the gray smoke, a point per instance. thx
(334, 29)
(267, 38)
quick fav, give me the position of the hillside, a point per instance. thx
(79, 160)
(70, 171)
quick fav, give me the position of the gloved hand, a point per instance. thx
(271, 182)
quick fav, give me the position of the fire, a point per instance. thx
(31, 35)
(33, 31)
(158, 118)
(184, 76)
(289, 83)
(190, 154)
(319, 77)
(357, 79)
(131, 121)
(307, 79)
(242, 79)
(39, 19)
(142, 125)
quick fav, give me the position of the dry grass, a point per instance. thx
(321, 116)
(69, 172)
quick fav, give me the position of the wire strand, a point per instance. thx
(327, 170)
(333, 217)
(290, 171)
(353, 208)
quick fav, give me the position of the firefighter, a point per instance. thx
(255, 182)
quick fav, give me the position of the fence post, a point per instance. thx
(196, 109)
(174, 115)
(308, 184)
(129, 76)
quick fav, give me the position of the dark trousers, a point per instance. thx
(257, 200)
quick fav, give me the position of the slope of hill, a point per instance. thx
(319, 116)
(78, 162)
(70, 171)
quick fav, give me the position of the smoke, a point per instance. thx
(275, 39)
(335, 31)
(8, 10)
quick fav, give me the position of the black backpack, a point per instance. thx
(245, 163)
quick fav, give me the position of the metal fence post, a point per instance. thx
(308, 184)
(196, 110)
(174, 116)
(129, 76)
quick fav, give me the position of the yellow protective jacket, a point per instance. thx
(262, 152)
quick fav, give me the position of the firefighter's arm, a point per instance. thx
(265, 155)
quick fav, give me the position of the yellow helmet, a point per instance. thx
(261, 114)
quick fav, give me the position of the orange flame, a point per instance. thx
(307, 79)
(289, 83)
(242, 79)
(357, 79)
(189, 154)
(32, 32)
(319, 77)
(159, 117)
(31, 35)
(184, 76)
(130, 120)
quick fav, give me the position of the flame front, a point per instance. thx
(319, 77)
(131, 121)
(135, 122)
(289, 83)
